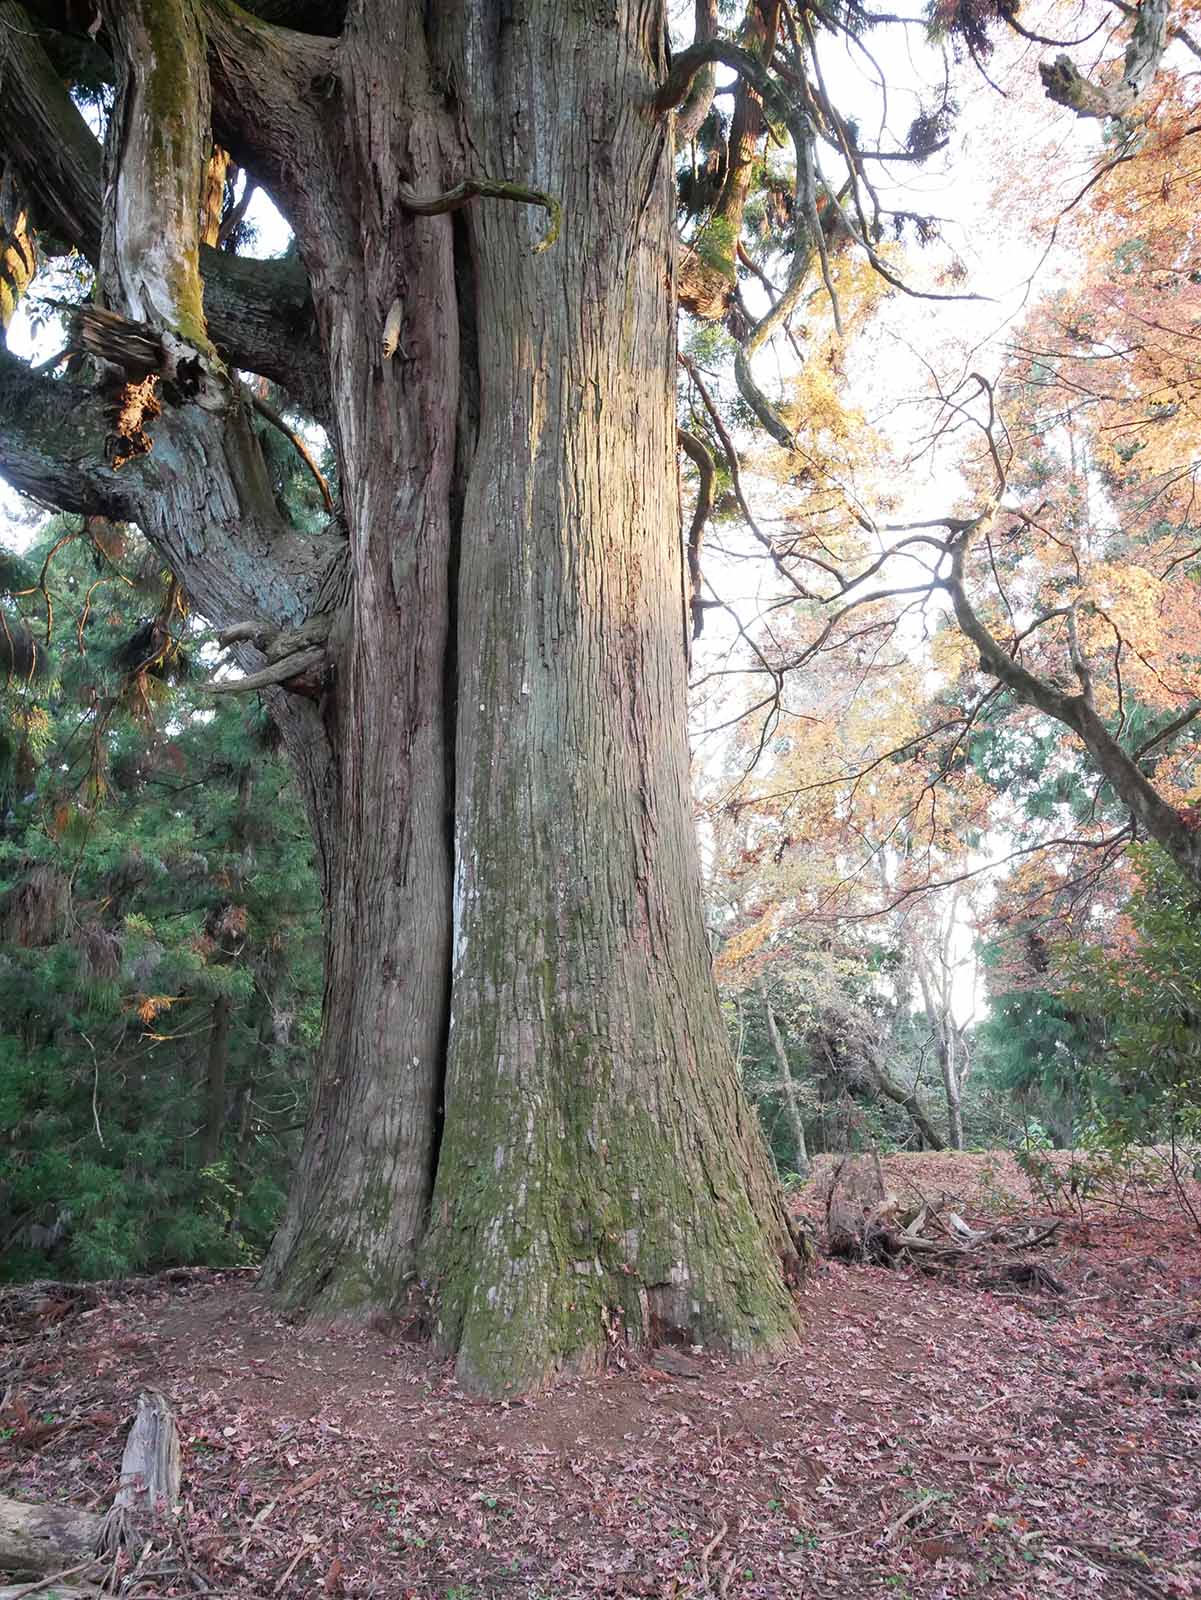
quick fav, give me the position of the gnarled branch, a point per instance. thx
(1067, 85)
(487, 189)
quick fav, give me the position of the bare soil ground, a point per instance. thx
(930, 1438)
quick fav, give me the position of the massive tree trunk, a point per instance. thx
(599, 1168)
(524, 1096)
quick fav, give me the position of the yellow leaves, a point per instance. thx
(149, 1006)
(951, 653)
(1129, 596)
(739, 947)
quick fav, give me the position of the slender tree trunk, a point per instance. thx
(787, 1086)
(936, 1001)
(216, 1075)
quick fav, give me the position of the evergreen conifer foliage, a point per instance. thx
(159, 936)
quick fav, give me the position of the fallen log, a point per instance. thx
(22, 1591)
(35, 1540)
(45, 1591)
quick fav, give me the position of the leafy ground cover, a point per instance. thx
(931, 1438)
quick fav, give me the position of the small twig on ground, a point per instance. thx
(291, 1567)
(54, 1577)
(916, 1510)
(708, 1551)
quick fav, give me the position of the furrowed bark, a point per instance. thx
(349, 1241)
(600, 1177)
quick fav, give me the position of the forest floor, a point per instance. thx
(930, 1438)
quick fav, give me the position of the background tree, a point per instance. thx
(159, 936)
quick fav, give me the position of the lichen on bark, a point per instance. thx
(157, 148)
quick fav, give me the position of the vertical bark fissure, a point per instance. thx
(466, 439)
(600, 1175)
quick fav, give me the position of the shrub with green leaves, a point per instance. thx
(1147, 1088)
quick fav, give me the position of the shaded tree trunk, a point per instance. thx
(787, 1086)
(216, 1074)
(949, 1048)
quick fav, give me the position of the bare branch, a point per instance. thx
(1147, 807)
(1189, 714)
(698, 453)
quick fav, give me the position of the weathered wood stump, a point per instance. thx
(40, 1539)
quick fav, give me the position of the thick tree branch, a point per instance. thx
(725, 52)
(259, 313)
(1067, 86)
(1149, 810)
(52, 444)
(700, 95)
(279, 672)
(191, 481)
(707, 276)
(45, 137)
(157, 148)
(269, 85)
